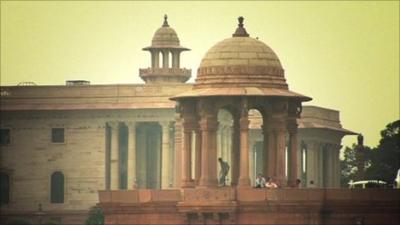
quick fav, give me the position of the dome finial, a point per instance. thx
(240, 31)
(165, 24)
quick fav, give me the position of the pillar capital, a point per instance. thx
(244, 123)
(130, 124)
(208, 124)
(292, 127)
(113, 124)
(164, 124)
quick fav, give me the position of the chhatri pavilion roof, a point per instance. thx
(241, 66)
(165, 38)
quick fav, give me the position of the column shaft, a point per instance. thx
(186, 158)
(271, 153)
(165, 59)
(114, 167)
(156, 59)
(208, 177)
(280, 156)
(197, 156)
(131, 173)
(244, 179)
(292, 173)
(165, 160)
(235, 155)
(265, 149)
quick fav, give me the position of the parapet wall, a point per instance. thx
(251, 206)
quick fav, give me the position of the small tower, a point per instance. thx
(164, 47)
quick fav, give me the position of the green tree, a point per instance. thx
(348, 166)
(96, 216)
(384, 160)
(381, 163)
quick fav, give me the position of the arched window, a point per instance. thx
(57, 188)
(4, 188)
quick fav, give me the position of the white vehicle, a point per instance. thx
(368, 184)
(397, 179)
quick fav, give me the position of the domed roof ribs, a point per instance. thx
(240, 31)
(165, 24)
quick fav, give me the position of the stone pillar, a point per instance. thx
(235, 154)
(252, 158)
(292, 153)
(165, 59)
(155, 57)
(312, 162)
(114, 167)
(178, 144)
(271, 152)
(175, 59)
(335, 152)
(188, 126)
(264, 133)
(197, 165)
(244, 179)
(131, 173)
(280, 138)
(208, 177)
(165, 152)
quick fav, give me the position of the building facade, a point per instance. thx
(61, 144)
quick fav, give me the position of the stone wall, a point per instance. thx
(252, 206)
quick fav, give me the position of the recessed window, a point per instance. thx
(4, 188)
(57, 188)
(57, 135)
(5, 136)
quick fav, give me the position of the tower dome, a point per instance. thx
(165, 49)
(241, 65)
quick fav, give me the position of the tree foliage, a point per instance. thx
(96, 216)
(381, 162)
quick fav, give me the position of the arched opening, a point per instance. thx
(160, 59)
(224, 146)
(303, 162)
(148, 155)
(256, 145)
(170, 59)
(4, 188)
(57, 187)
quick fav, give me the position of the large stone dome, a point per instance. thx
(241, 66)
(240, 61)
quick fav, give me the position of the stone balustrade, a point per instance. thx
(248, 195)
(165, 71)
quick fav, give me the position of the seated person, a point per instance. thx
(270, 183)
(260, 181)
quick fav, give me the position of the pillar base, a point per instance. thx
(244, 182)
(208, 183)
(187, 184)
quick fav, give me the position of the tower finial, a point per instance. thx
(240, 31)
(165, 24)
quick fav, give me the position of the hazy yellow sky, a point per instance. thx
(343, 54)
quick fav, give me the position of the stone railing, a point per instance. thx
(165, 72)
(248, 195)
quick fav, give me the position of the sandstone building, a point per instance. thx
(61, 144)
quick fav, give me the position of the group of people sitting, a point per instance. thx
(269, 183)
(260, 180)
(262, 183)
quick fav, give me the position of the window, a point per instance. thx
(4, 188)
(5, 136)
(57, 135)
(57, 188)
